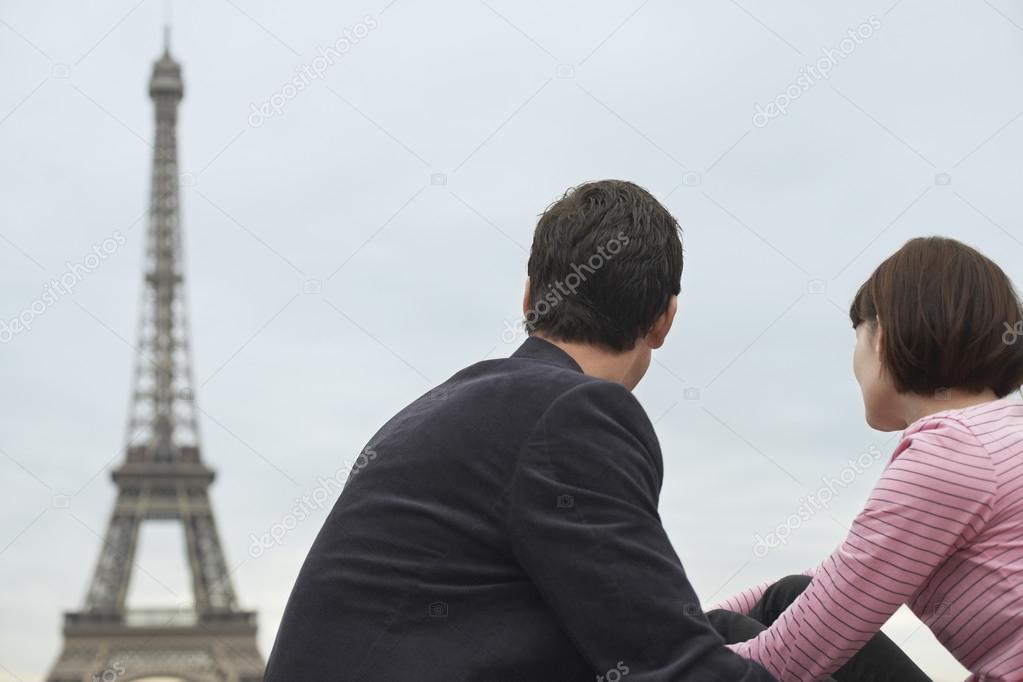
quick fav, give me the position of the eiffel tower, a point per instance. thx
(162, 477)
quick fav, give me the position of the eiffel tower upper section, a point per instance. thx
(162, 419)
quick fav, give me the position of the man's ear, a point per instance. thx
(655, 337)
(527, 304)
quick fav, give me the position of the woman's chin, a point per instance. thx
(886, 424)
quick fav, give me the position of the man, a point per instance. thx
(504, 526)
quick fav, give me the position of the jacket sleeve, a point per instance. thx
(583, 522)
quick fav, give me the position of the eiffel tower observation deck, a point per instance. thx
(163, 477)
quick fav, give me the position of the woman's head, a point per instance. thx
(935, 317)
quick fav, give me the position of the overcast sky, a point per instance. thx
(367, 237)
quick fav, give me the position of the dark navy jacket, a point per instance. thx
(503, 528)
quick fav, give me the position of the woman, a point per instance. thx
(936, 354)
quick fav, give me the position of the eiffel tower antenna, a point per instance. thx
(162, 477)
(167, 21)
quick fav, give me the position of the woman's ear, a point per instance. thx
(655, 337)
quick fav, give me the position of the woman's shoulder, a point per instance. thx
(977, 423)
(966, 436)
(943, 455)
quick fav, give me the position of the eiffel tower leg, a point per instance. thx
(240, 661)
(109, 587)
(211, 582)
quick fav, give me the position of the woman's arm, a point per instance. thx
(745, 601)
(933, 499)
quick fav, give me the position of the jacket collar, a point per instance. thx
(535, 348)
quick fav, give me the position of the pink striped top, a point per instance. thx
(943, 533)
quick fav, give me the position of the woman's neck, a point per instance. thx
(916, 407)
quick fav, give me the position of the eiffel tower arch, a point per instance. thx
(162, 477)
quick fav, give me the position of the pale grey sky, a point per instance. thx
(915, 130)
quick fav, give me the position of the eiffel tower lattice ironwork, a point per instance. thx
(162, 477)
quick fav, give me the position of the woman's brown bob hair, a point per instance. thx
(949, 316)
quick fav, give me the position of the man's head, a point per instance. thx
(605, 270)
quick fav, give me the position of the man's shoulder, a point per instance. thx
(600, 396)
(545, 386)
(541, 382)
(600, 407)
(505, 401)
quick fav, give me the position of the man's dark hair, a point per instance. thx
(606, 260)
(949, 316)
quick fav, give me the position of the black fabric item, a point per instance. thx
(503, 528)
(880, 659)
